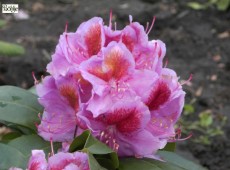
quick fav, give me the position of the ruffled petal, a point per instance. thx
(37, 161)
(90, 36)
(67, 161)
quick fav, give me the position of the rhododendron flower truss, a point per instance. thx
(59, 161)
(112, 82)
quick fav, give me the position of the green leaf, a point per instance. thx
(22, 147)
(171, 146)
(11, 136)
(223, 5)
(11, 157)
(164, 165)
(172, 162)
(93, 164)
(176, 160)
(101, 151)
(33, 90)
(10, 49)
(137, 164)
(19, 106)
(26, 143)
(196, 5)
(2, 23)
(79, 142)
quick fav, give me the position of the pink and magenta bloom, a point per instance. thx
(59, 161)
(113, 83)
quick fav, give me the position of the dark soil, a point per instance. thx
(198, 42)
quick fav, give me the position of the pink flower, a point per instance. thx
(68, 161)
(112, 82)
(135, 38)
(109, 70)
(37, 161)
(122, 126)
(74, 48)
(165, 102)
(61, 99)
(59, 161)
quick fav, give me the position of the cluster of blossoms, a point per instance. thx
(59, 161)
(113, 83)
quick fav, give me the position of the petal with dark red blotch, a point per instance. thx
(92, 71)
(90, 36)
(117, 65)
(128, 115)
(37, 161)
(68, 90)
(134, 37)
(159, 95)
(163, 120)
(118, 60)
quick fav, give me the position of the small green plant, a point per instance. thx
(221, 5)
(206, 126)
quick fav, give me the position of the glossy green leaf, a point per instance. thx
(137, 164)
(10, 49)
(11, 136)
(171, 146)
(20, 148)
(33, 90)
(86, 141)
(19, 106)
(27, 143)
(93, 164)
(164, 165)
(79, 142)
(171, 162)
(176, 160)
(11, 157)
